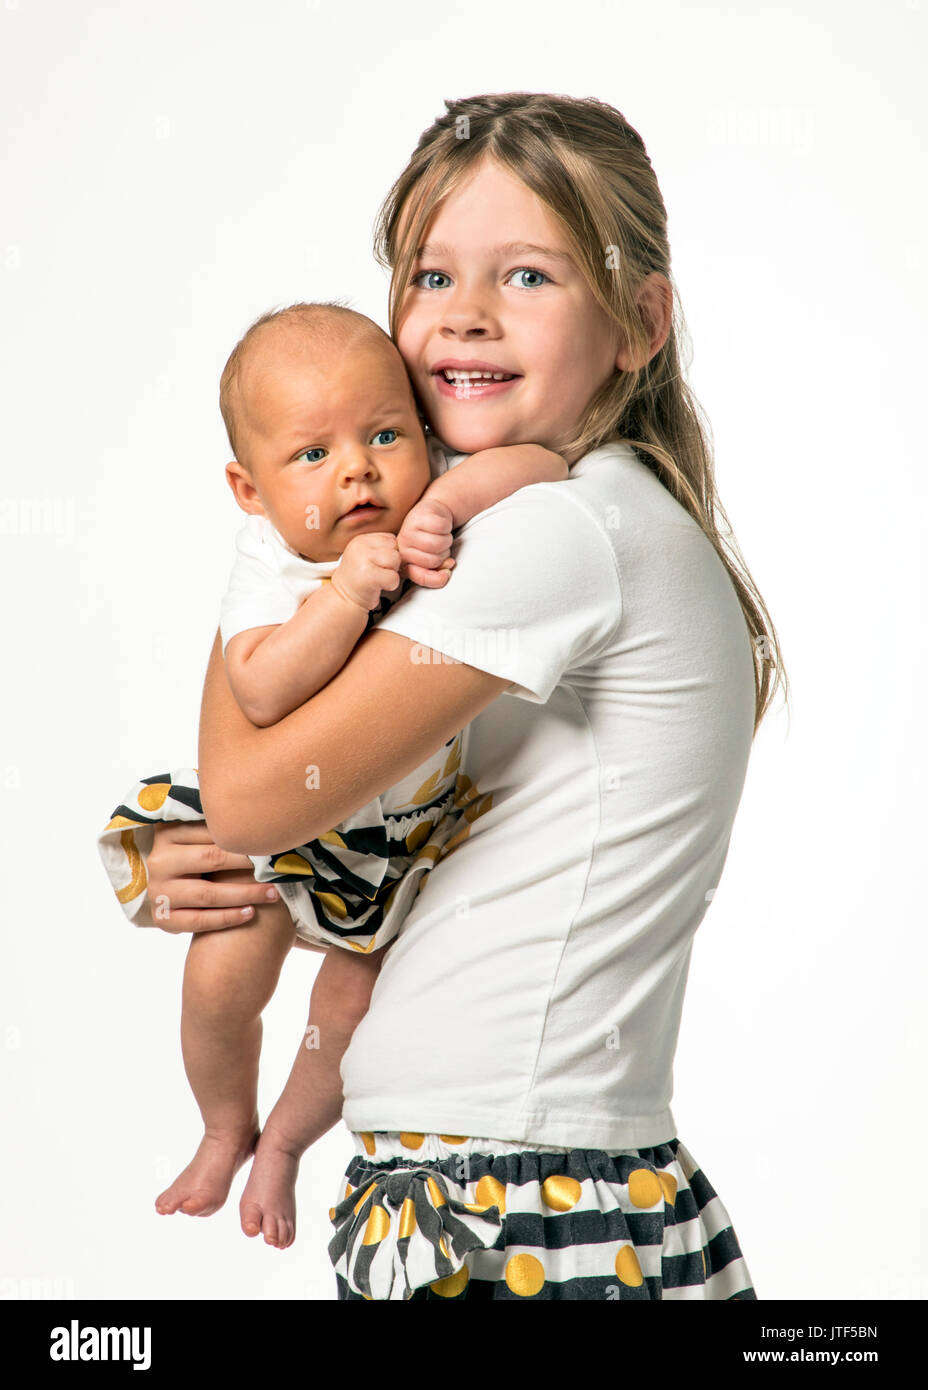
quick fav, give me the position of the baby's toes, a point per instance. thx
(251, 1215)
(270, 1228)
(199, 1203)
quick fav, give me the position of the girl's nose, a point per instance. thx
(467, 311)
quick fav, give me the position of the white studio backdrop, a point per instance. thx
(171, 171)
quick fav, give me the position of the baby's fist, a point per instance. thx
(424, 542)
(370, 563)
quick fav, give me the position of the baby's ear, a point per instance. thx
(243, 489)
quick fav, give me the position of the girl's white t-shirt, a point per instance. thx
(535, 990)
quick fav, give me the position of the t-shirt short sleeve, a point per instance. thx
(535, 591)
(257, 594)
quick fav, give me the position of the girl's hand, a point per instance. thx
(370, 563)
(193, 885)
(424, 543)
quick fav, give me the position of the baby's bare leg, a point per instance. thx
(229, 977)
(311, 1102)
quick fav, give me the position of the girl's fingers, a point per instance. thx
(222, 858)
(202, 904)
(190, 920)
(174, 841)
(227, 861)
(171, 861)
(196, 886)
(238, 862)
(203, 892)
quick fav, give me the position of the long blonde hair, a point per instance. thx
(590, 168)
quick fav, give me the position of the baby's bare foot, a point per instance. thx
(268, 1205)
(204, 1184)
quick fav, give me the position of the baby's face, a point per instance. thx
(332, 445)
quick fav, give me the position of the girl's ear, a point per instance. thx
(655, 304)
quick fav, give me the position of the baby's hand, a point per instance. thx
(424, 543)
(370, 563)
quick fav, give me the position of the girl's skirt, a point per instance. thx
(447, 1216)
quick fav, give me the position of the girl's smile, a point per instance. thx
(503, 337)
(471, 379)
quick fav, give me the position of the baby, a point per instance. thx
(345, 495)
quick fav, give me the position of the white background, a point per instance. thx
(172, 170)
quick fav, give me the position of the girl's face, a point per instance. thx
(495, 291)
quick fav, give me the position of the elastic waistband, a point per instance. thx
(385, 1145)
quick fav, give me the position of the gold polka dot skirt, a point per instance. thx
(451, 1216)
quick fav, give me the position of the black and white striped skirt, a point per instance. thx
(449, 1216)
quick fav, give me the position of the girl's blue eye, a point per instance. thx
(431, 275)
(527, 270)
(308, 455)
(379, 435)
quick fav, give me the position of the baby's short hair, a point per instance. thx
(333, 323)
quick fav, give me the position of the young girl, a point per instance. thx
(509, 1086)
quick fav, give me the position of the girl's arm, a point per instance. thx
(492, 474)
(392, 705)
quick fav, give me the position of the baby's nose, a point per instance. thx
(359, 459)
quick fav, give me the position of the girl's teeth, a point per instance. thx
(476, 376)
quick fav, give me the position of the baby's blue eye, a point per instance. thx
(526, 270)
(380, 435)
(431, 275)
(312, 455)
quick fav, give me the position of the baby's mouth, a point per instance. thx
(364, 509)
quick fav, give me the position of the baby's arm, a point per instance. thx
(273, 670)
(470, 487)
